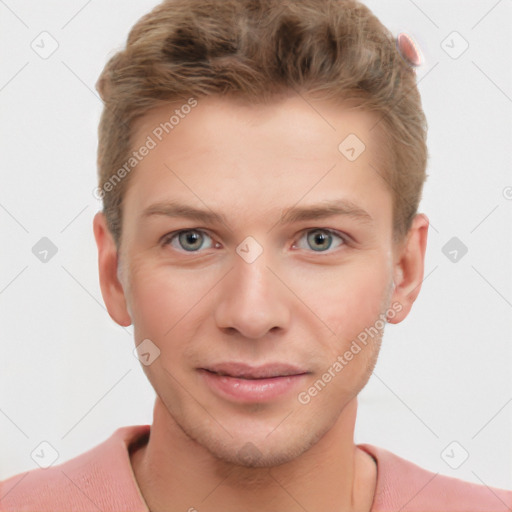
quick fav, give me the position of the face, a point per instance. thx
(253, 254)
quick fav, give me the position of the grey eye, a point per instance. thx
(190, 240)
(321, 240)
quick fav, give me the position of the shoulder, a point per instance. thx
(99, 479)
(402, 485)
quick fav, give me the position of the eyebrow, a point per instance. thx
(293, 214)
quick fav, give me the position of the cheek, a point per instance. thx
(352, 296)
(157, 299)
(161, 298)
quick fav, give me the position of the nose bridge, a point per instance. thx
(251, 301)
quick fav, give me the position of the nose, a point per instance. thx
(252, 300)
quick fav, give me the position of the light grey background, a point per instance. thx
(67, 372)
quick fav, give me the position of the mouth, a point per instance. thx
(250, 384)
(243, 371)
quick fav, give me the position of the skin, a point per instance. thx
(300, 302)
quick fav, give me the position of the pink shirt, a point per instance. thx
(102, 479)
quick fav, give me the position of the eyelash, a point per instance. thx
(167, 239)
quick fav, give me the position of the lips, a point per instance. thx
(242, 383)
(244, 371)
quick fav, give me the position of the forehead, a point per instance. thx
(231, 154)
(322, 122)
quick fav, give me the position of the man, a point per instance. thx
(261, 165)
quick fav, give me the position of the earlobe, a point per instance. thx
(408, 269)
(110, 284)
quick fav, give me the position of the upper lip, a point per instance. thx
(245, 371)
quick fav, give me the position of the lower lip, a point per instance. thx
(251, 390)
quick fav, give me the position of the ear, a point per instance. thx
(111, 287)
(408, 267)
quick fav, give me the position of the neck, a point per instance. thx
(175, 473)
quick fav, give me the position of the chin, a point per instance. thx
(264, 451)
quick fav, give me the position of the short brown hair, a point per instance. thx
(257, 49)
